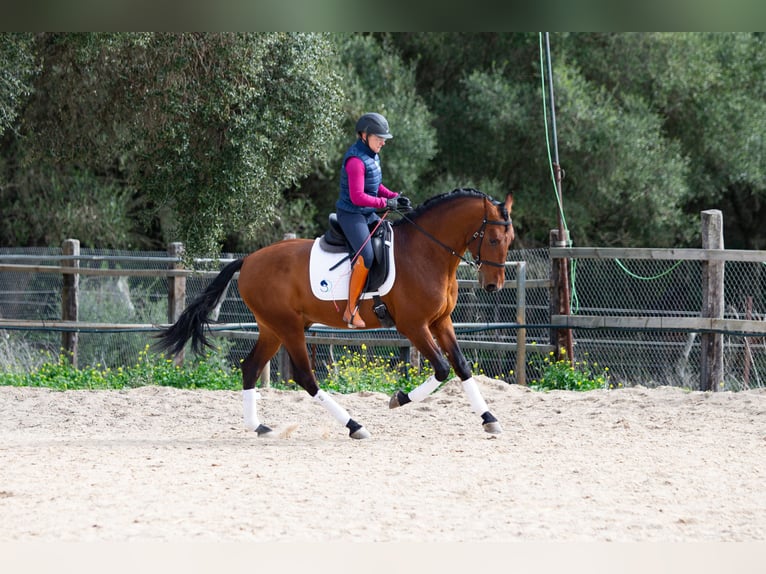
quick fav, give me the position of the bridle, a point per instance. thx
(478, 234)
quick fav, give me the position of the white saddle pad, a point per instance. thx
(332, 285)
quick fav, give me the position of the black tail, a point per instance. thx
(192, 322)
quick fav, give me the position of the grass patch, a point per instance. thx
(352, 372)
(559, 374)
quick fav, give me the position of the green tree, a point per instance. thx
(623, 180)
(235, 139)
(374, 79)
(707, 92)
(209, 127)
(17, 68)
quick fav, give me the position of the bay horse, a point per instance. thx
(430, 242)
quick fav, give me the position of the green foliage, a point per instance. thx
(149, 369)
(212, 126)
(633, 189)
(355, 371)
(559, 374)
(56, 205)
(17, 68)
(707, 91)
(239, 118)
(295, 215)
(206, 137)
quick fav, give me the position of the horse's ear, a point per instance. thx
(509, 201)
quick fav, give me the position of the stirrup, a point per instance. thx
(350, 321)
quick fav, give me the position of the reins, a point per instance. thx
(477, 234)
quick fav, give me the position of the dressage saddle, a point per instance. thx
(334, 241)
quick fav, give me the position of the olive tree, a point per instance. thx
(206, 128)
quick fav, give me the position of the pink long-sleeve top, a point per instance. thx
(355, 171)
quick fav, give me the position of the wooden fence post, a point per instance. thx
(176, 292)
(70, 289)
(561, 338)
(711, 371)
(521, 319)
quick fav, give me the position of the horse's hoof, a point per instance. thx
(398, 399)
(493, 428)
(360, 433)
(355, 430)
(263, 430)
(490, 423)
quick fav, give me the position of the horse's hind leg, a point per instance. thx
(304, 376)
(252, 367)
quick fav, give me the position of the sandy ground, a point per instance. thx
(162, 464)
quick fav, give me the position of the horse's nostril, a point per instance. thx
(491, 288)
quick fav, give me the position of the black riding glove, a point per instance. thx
(404, 203)
(391, 203)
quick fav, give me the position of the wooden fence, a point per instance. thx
(711, 323)
(176, 275)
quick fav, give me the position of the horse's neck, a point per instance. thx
(449, 234)
(456, 224)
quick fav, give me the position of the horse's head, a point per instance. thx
(491, 242)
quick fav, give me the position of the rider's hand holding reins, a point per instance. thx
(399, 203)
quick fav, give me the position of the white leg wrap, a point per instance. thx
(474, 396)
(249, 398)
(338, 412)
(419, 393)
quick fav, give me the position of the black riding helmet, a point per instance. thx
(374, 124)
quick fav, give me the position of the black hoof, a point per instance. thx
(398, 399)
(357, 431)
(262, 430)
(490, 423)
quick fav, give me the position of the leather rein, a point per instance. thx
(478, 234)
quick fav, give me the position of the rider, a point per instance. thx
(361, 193)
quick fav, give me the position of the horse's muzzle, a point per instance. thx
(490, 288)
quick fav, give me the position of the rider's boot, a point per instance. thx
(356, 283)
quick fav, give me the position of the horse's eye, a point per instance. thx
(494, 241)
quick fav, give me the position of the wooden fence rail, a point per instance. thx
(711, 322)
(70, 326)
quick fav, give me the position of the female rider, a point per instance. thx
(361, 193)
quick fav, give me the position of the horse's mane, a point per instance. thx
(438, 200)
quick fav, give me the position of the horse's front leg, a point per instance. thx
(445, 335)
(424, 342)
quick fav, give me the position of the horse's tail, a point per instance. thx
(194, 319)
